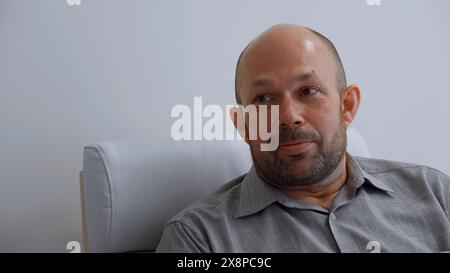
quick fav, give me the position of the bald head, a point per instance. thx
(287, 38)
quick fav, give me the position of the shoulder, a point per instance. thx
(221, 202)
(397, 171)
(374, 165)
(188, 230)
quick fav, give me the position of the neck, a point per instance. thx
(324, 192)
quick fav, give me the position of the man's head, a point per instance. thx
(299, 70)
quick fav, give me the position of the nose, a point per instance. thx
(291, 114)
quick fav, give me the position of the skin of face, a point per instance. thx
(291, 67)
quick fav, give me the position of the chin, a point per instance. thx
(301, 164)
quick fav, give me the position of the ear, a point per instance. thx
(239, 122)
(350, 103)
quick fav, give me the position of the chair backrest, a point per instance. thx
(132, 187)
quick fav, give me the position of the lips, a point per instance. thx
(295, 147)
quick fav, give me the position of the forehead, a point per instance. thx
(280, 56)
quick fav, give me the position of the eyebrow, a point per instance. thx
(261, 82)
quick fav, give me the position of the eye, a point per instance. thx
(308, 91)
(263, 98)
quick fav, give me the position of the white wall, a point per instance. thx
(112, 69)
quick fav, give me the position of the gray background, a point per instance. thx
(74, 75)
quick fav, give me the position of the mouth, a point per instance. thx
(295, 147)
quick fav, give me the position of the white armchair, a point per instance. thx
(131, 188)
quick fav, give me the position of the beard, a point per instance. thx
(307, 168)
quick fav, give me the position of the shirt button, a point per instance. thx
(332, 216)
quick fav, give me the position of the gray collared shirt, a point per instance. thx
(385, 206)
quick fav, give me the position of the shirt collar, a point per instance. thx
(256, 194)
(358, 176)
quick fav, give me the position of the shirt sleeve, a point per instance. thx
(446, 179)
(179, 238)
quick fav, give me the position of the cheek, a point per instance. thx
(262, 157)
(326, 120)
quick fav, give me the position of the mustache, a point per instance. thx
(297, 134)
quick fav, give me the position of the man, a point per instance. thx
(309, 195)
